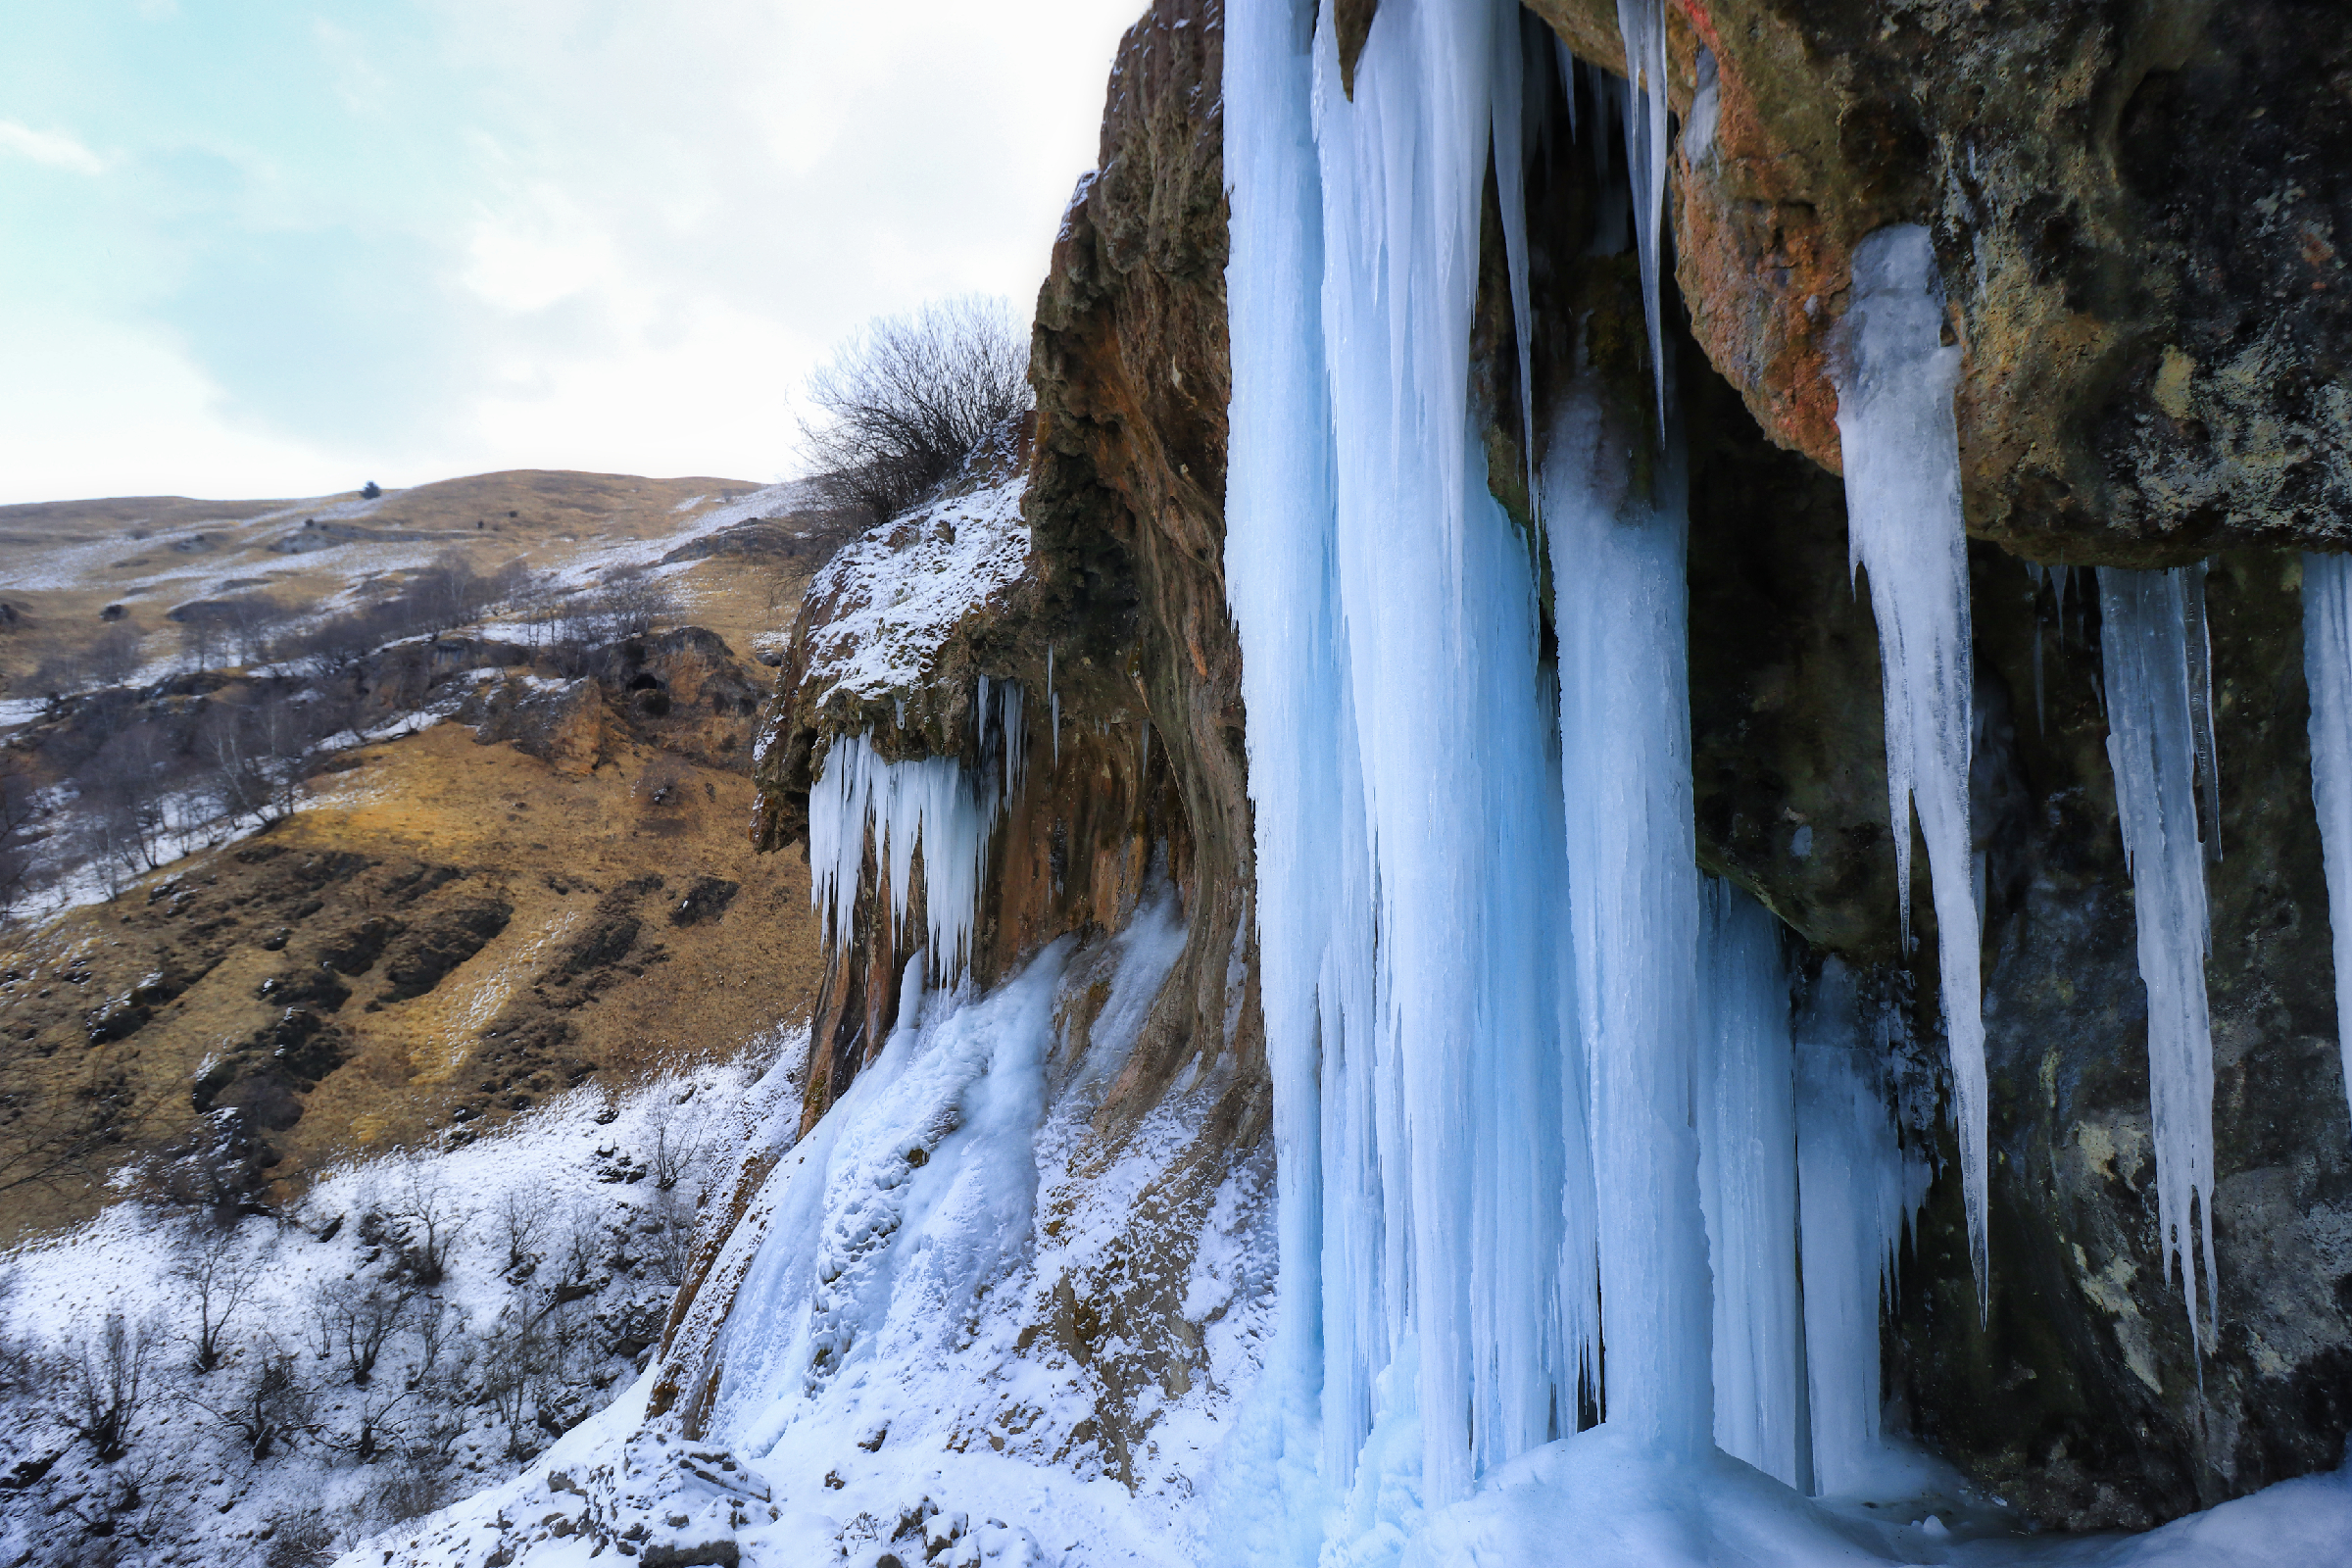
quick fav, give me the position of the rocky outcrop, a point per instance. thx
(1115, 628)
(2138, 212)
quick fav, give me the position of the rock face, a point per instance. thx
(2139, 215)
(1115, 621)
(2136, 217)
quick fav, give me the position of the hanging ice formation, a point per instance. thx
(1643, 24)
(1901, 450)
(1490, 1156)
(931, 804)
(2328, 672)
(2145, 628)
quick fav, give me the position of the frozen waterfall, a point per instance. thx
(1902, 450)
(1538, 1087)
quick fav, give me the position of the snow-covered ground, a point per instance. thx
(950, 1293)
(561, 1244)
(898, 1379)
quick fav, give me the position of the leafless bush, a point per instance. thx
(523, 1214)
(530, 1365)
(356, 1319)
(216, 1270)
(430, 1222)
(300, 1539)
(905, 402)
(129, 780)
(106, 1383)
(269, 1404)
(114, 654)
(450, 593)
(668, 1225)
(19, 823)
(257, 750)
(680, 1140)
(73, 664)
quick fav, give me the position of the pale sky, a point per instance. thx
(277, 248)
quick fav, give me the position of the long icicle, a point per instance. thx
(2328, 671)
(1901, 450)
(2152, 744)
(1642, 23)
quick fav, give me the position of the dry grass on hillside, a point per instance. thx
(554, 849)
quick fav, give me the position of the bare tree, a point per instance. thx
(523, 1214)
(257, 749)
(18, 814)
(905, 402)
(105, 1385)
(114, 654)
(128, 776)
(356, 1320)
(669, 1234)
(216, 1270)
(430, 1220)
(200, 641)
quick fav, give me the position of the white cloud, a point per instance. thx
(52, 148)
(441, 237)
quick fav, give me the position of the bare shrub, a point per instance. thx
(430, 1222)
(216, 1270)
(905, 402)
(269, 1404)
(106, 1383)
(523, 1216)
(669, 1225)
(356, 1319)
(257, 750)
(300, 1539)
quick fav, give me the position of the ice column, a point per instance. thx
(1901, 452)
(1747, 1179)
(1436, 593)
(1617, 563)
(1280, 583)
(2144, 619)
(1858, 1191)
(2328, 671)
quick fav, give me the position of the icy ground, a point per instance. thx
(970, 1328)
(910, 1374)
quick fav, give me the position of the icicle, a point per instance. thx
(1508, 139)
(1902, 492)
(1617, 564)
(2200, 707)
(859, 801)
(2328, 672)
(1747, 1180)
(1053, 704)
(1644, 25)
(1858, 1192)
(2145, 638)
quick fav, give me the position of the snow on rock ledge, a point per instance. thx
(883, 610)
